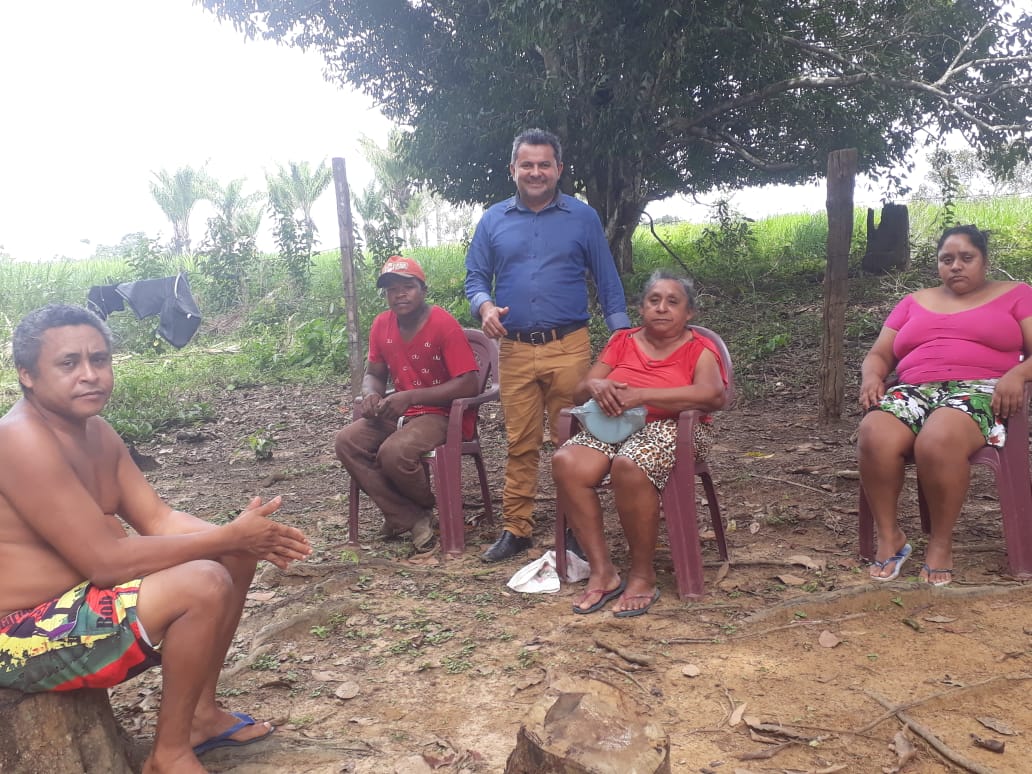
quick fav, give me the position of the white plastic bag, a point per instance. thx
(541, 577)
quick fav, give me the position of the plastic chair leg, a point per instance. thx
(702, 471)
(353, 513)
(485, 489)
(683, 534)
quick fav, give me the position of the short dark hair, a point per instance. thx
(537, 137)
(28, 336)
(686, 283)
(979, 238)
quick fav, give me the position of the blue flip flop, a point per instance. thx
(605, 598)
(223, 739)
(900, 558)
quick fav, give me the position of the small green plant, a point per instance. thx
(261, 444)
(322, 632)
(265, 662)
(454, 665)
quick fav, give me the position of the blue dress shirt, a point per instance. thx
(535, 263)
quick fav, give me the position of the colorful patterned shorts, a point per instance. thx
(87, 638)
(912, 404)
(651, 448)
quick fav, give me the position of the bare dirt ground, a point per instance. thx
(371, 662)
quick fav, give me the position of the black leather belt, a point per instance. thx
(544, 335)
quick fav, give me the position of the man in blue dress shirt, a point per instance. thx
(526, 279)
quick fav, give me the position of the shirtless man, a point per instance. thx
(73, 580)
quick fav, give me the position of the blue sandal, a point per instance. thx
(223, 739)
(900, 558)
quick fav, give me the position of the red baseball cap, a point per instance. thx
(403, 267)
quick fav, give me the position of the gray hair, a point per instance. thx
(27, 340)
(537, 137)
(686, 283)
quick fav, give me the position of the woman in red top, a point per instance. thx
(665, 367)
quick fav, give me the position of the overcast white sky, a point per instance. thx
(95, 96)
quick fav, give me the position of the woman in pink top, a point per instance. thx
(957, 347)
(665, 367)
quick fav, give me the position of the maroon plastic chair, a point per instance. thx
(445, 461)
(1013, 487)
(678, 497)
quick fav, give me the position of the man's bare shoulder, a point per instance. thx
(24, 427)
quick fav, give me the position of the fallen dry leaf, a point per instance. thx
(808, 562)
(690, 670)
(754, 528)
(736, 716)
(791, 580)
(997, 725)
(939, 619)
(261, 596)
(828, 640)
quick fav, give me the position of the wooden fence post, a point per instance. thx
(831, 378)
(347, 270)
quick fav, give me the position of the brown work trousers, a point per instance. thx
(386, 461)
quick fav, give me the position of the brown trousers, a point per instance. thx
(386, 461)
(533, 379)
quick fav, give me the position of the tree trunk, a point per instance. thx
(347, 269)
(831, 378)
(616, 195)
(599, 731)
(73, 731)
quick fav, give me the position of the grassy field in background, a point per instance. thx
(759, 282)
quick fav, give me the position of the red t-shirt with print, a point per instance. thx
(438, 353)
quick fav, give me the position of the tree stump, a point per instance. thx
(600, 731)
(59, 733)
(888, 243)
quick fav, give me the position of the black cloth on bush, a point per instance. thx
(169, 297)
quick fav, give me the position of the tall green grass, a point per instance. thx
(760, 285)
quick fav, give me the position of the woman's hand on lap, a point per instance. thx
(871, 392)
(1008, 395)
(607, 395)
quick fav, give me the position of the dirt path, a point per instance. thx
(371, 662)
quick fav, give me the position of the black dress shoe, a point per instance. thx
(507, 545)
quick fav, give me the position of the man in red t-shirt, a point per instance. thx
(426, 355)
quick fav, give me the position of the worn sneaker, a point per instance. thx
(423, 538)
